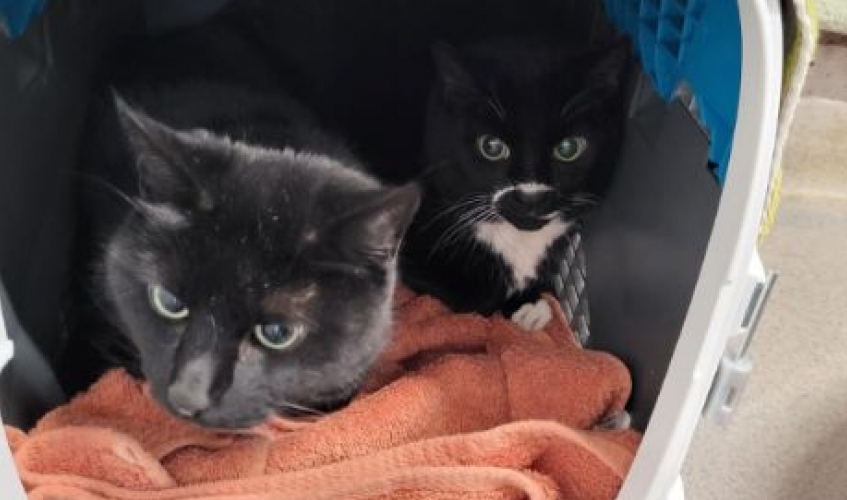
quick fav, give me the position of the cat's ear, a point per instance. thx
(613, 62)
(159, 154)
(381, 221)
(456, 81)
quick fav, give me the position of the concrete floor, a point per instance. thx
(788, 439)
(832, 15)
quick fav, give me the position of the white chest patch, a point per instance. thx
(523, 251)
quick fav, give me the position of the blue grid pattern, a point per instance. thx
(692, 41)
(15, 15)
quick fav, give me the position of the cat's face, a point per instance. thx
(252, 282)
(527, 132)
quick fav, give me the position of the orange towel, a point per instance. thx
(459, 407)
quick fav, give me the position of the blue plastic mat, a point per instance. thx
(696, 42)
(15, 15)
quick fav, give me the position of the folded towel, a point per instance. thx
(458, 407)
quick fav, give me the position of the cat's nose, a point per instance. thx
(537, 203)
(188, 394)
(529, 198)
(187, 402)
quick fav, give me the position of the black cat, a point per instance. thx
(254, 266)
(521, 139)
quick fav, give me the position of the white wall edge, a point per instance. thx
(719, 290)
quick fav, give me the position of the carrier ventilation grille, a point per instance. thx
(570, 287)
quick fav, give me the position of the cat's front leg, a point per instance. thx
(533, 316)
(528, 310)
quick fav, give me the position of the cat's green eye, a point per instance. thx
(279, 336)
(492, 148)
(570, 149)
(166, 304)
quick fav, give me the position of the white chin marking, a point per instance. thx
(523, 251)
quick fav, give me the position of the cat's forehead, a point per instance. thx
(535, 92)
(298, 169)
(253, 242)
(525, 62)
(265, 214)
(292, 299)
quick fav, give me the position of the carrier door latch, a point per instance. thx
(736, 365)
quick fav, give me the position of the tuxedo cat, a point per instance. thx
(521, 139)
(253, 265)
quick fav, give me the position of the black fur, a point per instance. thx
(532, 94)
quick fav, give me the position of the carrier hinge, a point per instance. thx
(736, 364)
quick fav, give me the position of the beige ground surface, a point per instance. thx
(833, 15)
(788, 440)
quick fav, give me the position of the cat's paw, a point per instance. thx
(615, 421)
(533, 316)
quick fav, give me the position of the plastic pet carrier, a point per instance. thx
(664, 273)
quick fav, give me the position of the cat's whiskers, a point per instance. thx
(587, 198)
(301, 408)
(487, 215)
(464, 221)
(466, 202)
(501, 110)
(132, 202)
(471, 244)
(455, 230)
(463, 226)
(582, 200)
(497, 107)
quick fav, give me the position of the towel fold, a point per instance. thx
(458, 407)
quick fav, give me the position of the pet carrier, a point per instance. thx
(664, 273)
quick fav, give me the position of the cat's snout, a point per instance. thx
(185, 402)
(527, 209)
(531, 200)
(188, 394)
